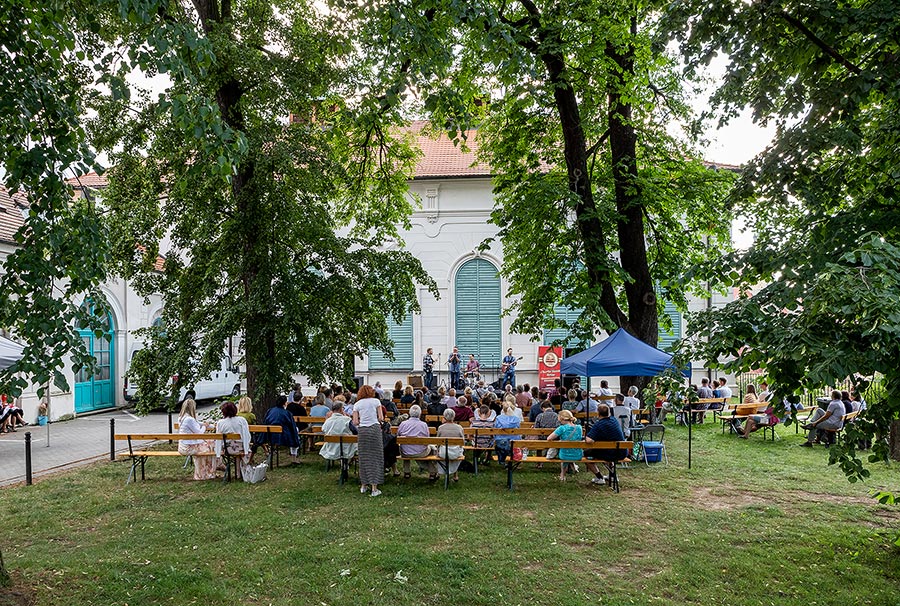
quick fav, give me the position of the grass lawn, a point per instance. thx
(752, 523)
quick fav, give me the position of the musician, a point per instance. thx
(473, 368)
(454, 361)
(509, 368)
(428, 368)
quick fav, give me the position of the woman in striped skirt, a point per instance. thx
(367, 416)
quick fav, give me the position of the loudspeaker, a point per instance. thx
(415, 381)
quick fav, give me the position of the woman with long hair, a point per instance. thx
(367, 417)
(200, 451)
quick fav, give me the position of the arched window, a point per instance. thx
(478, 311)
(402, 336)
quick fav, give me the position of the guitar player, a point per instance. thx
(508, 368)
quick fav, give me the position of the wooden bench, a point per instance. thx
(268, 430)
(473, 433)
(708, 401)
(831, 434)
(139, 457)
(401, 441)
(433, 441)
(729, 416)
(625, 448)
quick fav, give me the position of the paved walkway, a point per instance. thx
(72, 443)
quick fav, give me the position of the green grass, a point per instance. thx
(751, 523)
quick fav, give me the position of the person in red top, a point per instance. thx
(461, 410)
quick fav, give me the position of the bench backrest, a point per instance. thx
(339, 439)
(309, 419)
(177, 436)
(513, 431)
(266, 429)
(430, 441)
(711, 401)
(849, 416)
(545, 444)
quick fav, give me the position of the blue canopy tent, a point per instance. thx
(621, 355)
(625, 356)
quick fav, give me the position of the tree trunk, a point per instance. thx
(894, 440)
(259, 336)
(5, 579)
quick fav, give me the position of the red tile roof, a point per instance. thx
(441, 159)
(10, 216)
(91, 179)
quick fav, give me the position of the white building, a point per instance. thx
(445, 234)
(127, 312)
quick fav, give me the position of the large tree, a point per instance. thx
(61, 253)
(822, 199)
(599, 204)
(278, 230)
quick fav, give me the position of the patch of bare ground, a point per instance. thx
(724, 498)
(17, 595)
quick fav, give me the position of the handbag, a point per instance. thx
(254, 474)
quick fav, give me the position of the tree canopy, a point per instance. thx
(61, 254)
(281, 232)
(822, 198)
(599, 204)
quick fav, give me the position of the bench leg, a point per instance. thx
(132, 471)
(143, 460)
(509, 473)
(614, 476)
(345, 471)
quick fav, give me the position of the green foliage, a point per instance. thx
(61, 255)
(822, 199)
(565, 82)
(281, 233)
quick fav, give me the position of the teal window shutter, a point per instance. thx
(666, 338)
(402, 336)
(569, 316)
(478, 309)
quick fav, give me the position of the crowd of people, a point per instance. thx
(377, 416)
(373, 412)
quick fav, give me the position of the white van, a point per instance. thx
(221, 383)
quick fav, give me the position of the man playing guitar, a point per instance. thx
(428, 368)
(509, 367)
(473, 368)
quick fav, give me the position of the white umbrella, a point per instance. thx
(10, 352)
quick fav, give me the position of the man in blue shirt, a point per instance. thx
(606, 429)
(509, 364)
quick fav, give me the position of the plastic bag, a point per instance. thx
(254, 474)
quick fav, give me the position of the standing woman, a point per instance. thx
(367, 416)
(201, 451)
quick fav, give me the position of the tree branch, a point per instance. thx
(593, 148)
(823, 46)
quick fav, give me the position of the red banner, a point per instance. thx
(548, 365)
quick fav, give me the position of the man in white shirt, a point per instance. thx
(724, 390)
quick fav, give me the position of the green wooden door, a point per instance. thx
(478, 308)
(96, 391)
